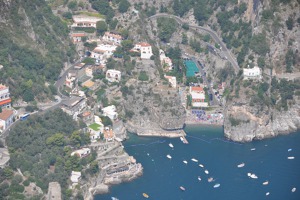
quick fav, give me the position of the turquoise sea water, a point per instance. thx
(162, 177)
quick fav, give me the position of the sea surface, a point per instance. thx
(162, 176)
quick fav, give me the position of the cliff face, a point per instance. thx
(266, 125)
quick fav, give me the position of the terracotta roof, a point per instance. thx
(2, 87)
(5, 114)
(144, 44)
(197, 89)
(108, 134)
(85, 114)
(5, 101)
(78, 34)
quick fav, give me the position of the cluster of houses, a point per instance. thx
(167, 65)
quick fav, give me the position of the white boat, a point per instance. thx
(294, 189)
(168, 156)
(266, 183)
(210, 179)
(206, 172)
(171, 145)
(253, 176)
(182, 188)
(185, 162)
(181, 138)
(241, 165)
(200, 165)
(148, 154)
(253, 149)
(199, 178)
(249, 174)
(289, 149)
(217, 185)
(267, 194)
(114, 198)
(291, 157)
(195, 160)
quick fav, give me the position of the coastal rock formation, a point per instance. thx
(242, 124)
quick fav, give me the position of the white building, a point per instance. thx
(172, 81)
(145, 49)
(252, 73)
(85, 21)
(110, 111)
(70, 80)
(81, 152)
(75, 177)
(102, 52)
(198, 97)
(113, 75)
(5, 100)
(112, 37)
(6, 119)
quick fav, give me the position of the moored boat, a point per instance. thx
(114, 198)
(185, 162)
(294, 189)
(291, 157)
(199, 178)
(145, 195)
(289, 149)
(211, 179)
(217, 185)
(266, 183)
(267, 194)
(168, 156)
(241, 165)
(200, 165)
(182, 188)
(171, 145)
(195, 160)
(206, 172)
(253, 149)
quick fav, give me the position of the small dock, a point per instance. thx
(184, 140)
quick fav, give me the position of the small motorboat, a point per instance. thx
(199, 178)
(114, 198)
(266, 183)
(168, 156)
(200, 165)
(253, 176)
(289, 149)
(253, 149)
(181, 138)
(182, 188)
(206, 171)
(291, 157)
(185, 162)
(217, 185)
(171, 145)
(241, 165)
(267, 194)
(145, 195)
(194, 160)
(211, 179)
(294, 189)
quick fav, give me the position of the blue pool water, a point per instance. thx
(162, 177)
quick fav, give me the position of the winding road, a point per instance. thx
(212, 33)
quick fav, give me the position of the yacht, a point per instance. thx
(199, 178)
(200, 165)
(289, 149)
(253, 176)
(171, 145)
(267, 194)
(195, 160)
(206, 171)
(241, 165)
(185, 162)
(253, 149)
(294, 189)
(266, 183)
(291, 157)
(145, 195)
(211, 179)
(182, 188)
(168, 156)
(217, 185)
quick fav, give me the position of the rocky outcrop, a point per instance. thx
(242, 124)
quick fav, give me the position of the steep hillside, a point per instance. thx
(34, 46)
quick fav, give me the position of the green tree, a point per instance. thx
(72, 5)
(123, 6)
(127, 45)
(184, 39)
(166, 28)
(56, 140)
(290, 23)
(101, 27)
(106, 121)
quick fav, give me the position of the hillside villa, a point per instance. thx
(102, 52)
(112, 37)
(5, 100)
(6, 119)
(252, 73)
(85, 21)
(172, 81)
(144, 48)
(113, 75)
(81, 152)
(110, 111)
(165, 61)
(74, 106)
(77, 37)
